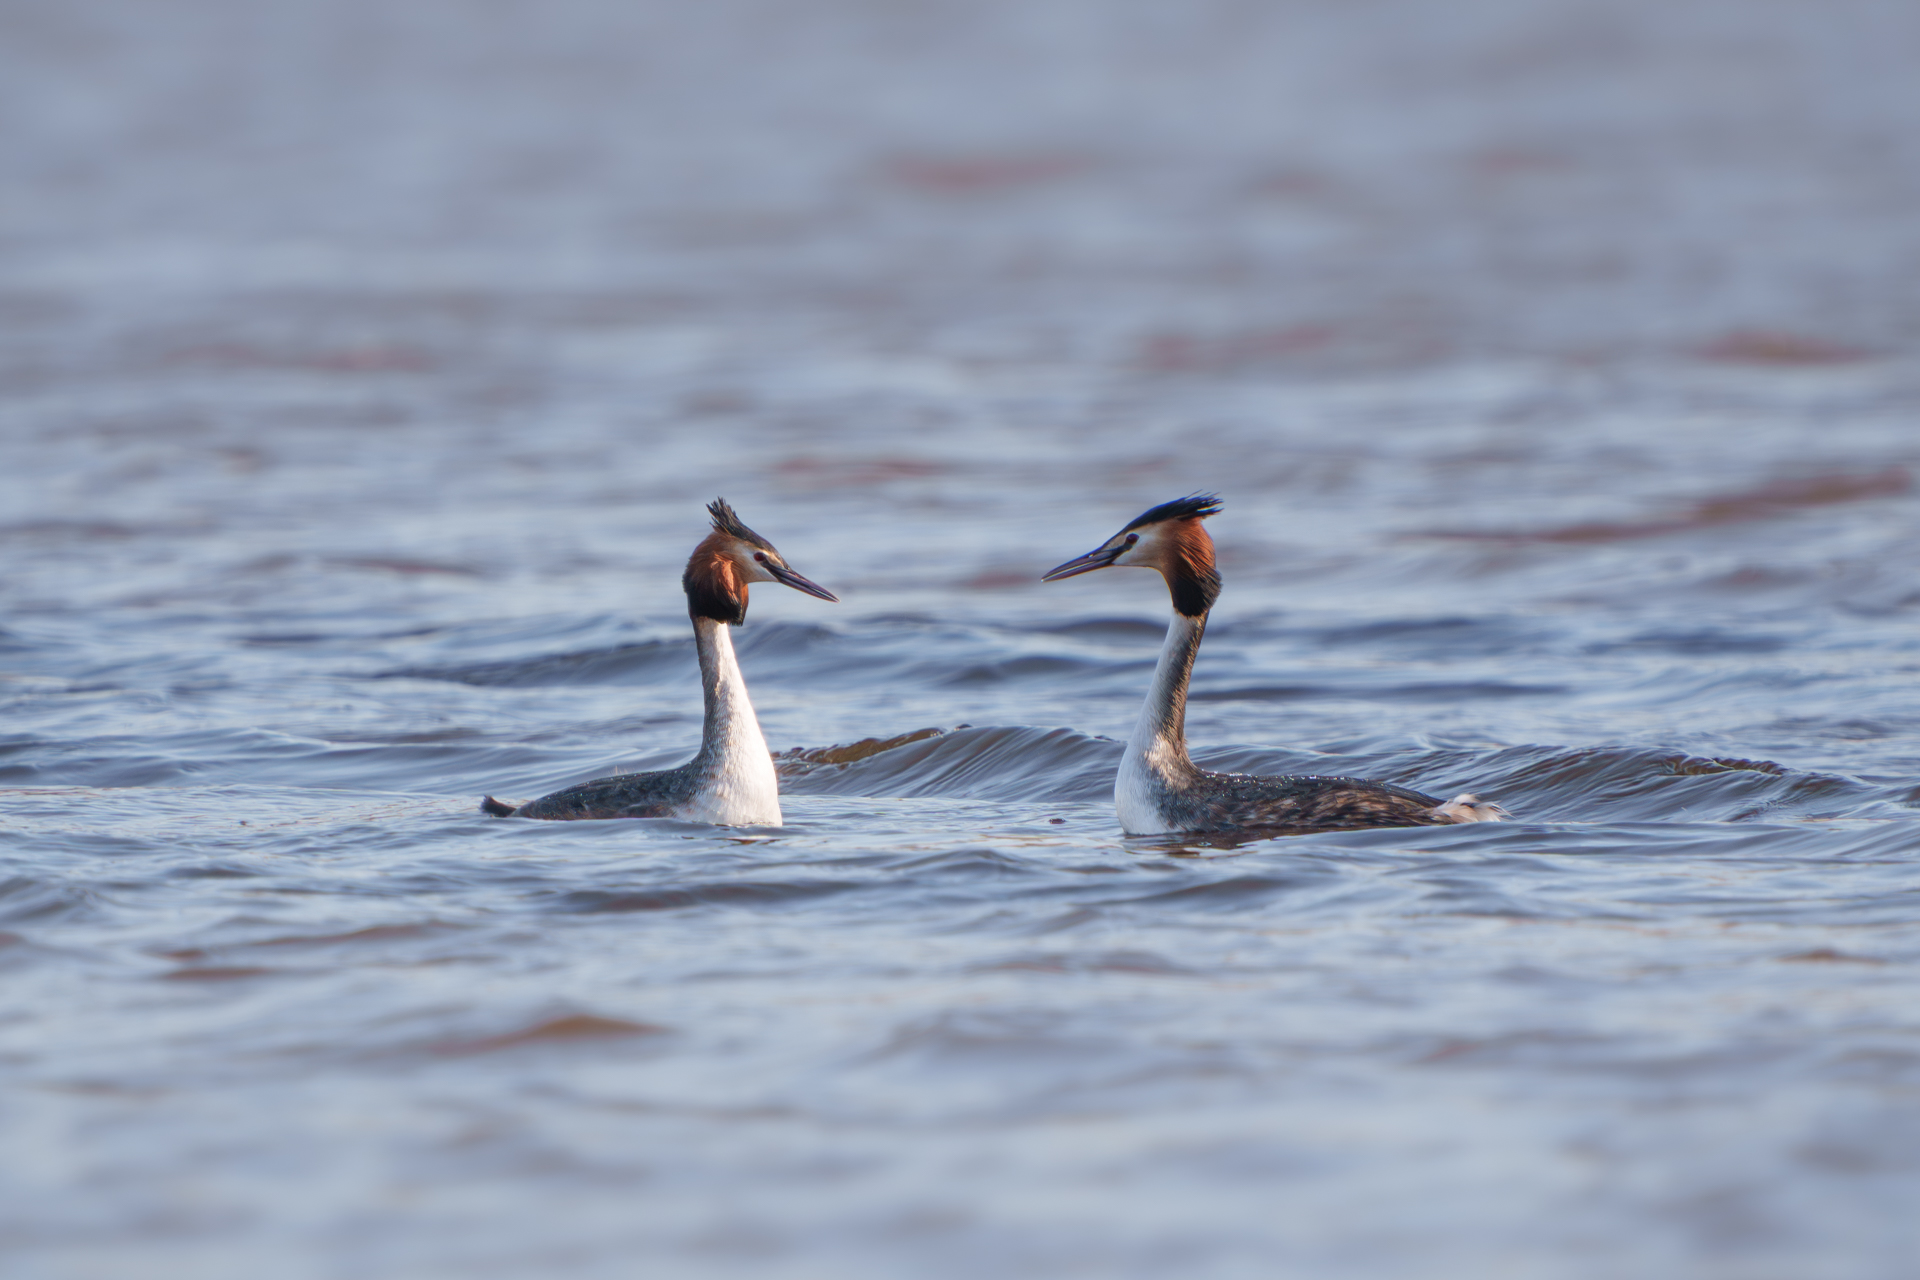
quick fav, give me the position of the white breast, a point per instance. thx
(743, 790)
(738, 787)
(1139, 790)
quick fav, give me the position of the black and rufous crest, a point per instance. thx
(1192, 581)
(1169, 538)
(712, 581)
(727, 560)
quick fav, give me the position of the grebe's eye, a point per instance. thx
(1132, 538)
(761, 556)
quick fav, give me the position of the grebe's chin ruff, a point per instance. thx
(731, 782)
(1159, 789)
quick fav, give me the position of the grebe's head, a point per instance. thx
(727, 560)
(1169, 538)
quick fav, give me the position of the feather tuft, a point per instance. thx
(1195, 506)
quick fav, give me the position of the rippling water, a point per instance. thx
(362, 376)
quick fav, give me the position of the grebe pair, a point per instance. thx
(1158, 790)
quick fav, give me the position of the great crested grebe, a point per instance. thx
(1159, 789)
(731, 782)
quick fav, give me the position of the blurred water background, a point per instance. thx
(364, 368)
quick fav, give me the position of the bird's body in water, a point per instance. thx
(731, 781)
(1159, 789)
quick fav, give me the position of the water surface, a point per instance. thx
(363, 372)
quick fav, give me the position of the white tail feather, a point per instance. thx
(1470, 808)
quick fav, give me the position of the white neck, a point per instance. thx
(738, 787)
(1156, 760)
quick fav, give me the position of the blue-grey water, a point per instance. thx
(364, 369)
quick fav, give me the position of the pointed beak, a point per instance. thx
(1098, 558)
(789, 578)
